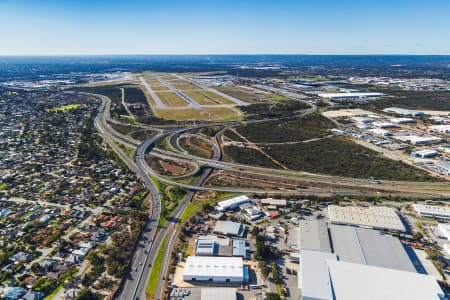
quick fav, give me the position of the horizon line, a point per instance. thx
(230, 54)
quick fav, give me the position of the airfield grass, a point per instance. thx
(65, 107)
(209, 114)
(249, 96)
(185, 86)
(216, 97)
(200, 98)
(237, 93)
(171, 99)
(152, 283)
(158, 87)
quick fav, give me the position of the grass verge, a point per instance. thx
(152, 283)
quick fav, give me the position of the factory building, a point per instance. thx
(352, 281)
(229, 228)
(212, 245)
(418, 140)
(351, 96)
(377, 217)
(323, 276)
(424, 153)
(432, 211)
(403, 111)
(402, 120)
(232, 203)
(440, 129)
(380, 132)
(215, 269)
(384, 125)
(369, 247)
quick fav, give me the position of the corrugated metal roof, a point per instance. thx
(368, 246)
(314, 235)
(355, 282)
(213, 266)
(313, 278)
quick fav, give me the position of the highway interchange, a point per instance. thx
(152, 237)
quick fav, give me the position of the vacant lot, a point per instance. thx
(171, 99)
(333, 156)
(309, 127)
(281, 109)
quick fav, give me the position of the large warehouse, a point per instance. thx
(229, 228)
(378, 217)
(215, 269)
(369, 247)
(232, 203)
(351, 96)
(323, 277)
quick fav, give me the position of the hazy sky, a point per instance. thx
(224, 27)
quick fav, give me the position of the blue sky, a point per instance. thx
(45, 27)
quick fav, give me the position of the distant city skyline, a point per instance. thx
(96, 27)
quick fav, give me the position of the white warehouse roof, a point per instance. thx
(353, 95)
(206, 267)
(232, 203)
(379, 217)
(313, 278)
(355, 282)
(403, 111)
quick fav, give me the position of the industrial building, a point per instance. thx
(277, 203)
(403, 111)
(424, 153)
(402, 120)
(369, 247)
(352, 281)
(215, 269)
(378, 217)
(432, 211)
(206, 247)
(418, 140)
(229, 228)
(232, 203)
(314, 235)
(440, 128)
(314, 279)
(384, 125)
(217, 293)
(443, 167)
(380, 132)
(323, 276)
(351, 96)
(214, 246)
